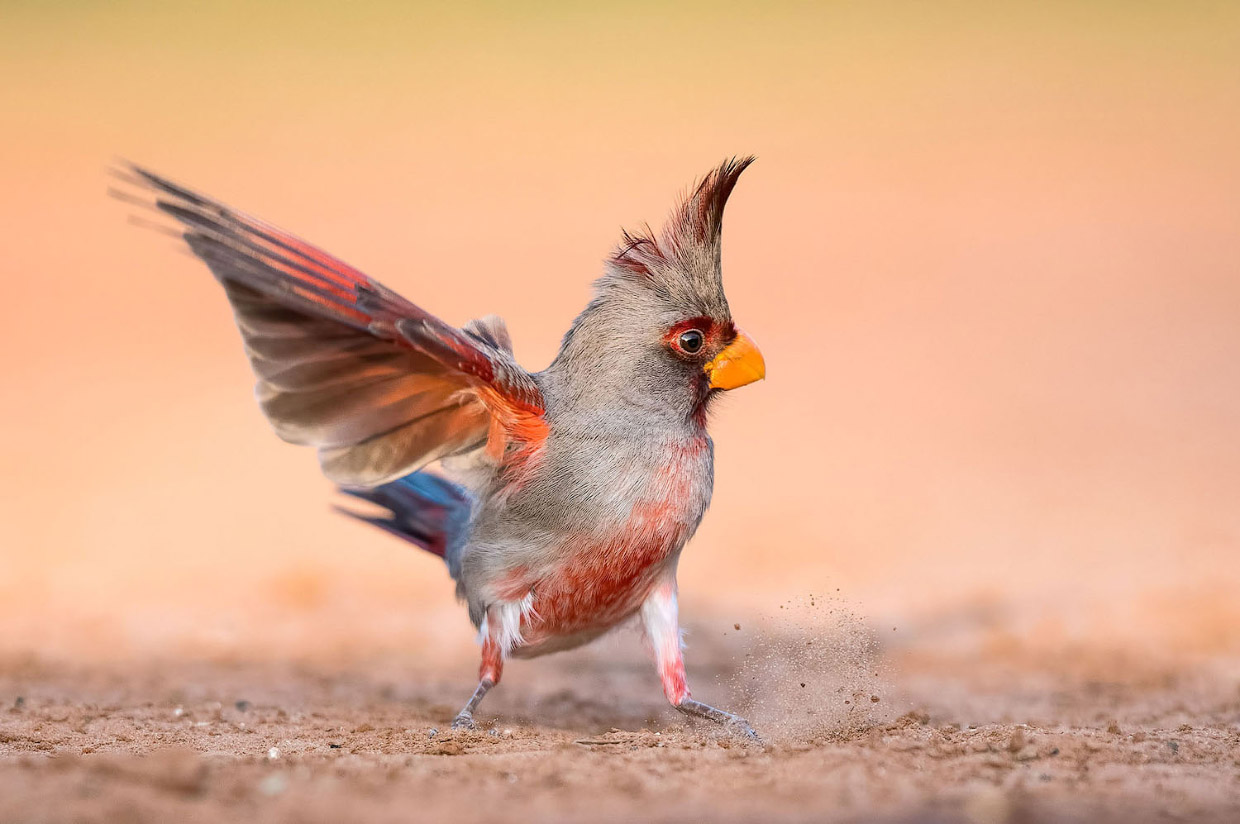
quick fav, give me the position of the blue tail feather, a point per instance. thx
(423, 508)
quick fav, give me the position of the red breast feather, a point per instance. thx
(603, 581)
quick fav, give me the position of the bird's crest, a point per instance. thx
(683, 259)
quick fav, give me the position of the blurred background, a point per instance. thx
(991, 253)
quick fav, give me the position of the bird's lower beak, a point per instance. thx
(738, 364)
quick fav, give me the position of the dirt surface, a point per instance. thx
(856, 728)
(989, 252)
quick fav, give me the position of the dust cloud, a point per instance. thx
(808, 671)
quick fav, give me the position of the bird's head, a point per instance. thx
(659, 333)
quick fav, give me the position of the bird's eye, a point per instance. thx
(690, 341)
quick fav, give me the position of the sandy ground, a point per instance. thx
(989, 251)
(856, 727)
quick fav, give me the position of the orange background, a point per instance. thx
(992, 257)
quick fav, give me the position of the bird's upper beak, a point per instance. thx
(738, 364)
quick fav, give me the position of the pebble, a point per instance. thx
(273, 784)
(1029, 753)
(273, 753)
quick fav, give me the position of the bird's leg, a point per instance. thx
(660, 618)
(488, 676)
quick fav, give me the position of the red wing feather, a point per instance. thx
(345, 364)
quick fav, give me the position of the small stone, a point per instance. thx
(803, 687)
(1174, 746)
(273, 753)
(177, 769)
(242, 706)
(448, 747)
(335, 746)
(20, 702)
(432, 732)
(178, 712)
(1029, 753)
(273, 784)
(736, 626)
(874, 699)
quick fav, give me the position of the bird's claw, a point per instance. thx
(464, 721)
(739, 726)
(730, 721)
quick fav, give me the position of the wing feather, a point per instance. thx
(380, 386)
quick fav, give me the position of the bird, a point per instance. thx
(560, 500)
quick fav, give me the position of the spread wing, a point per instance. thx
(345, 364)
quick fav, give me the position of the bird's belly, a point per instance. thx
(596, 588)
(600, 577)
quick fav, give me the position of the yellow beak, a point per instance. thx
(738, 364)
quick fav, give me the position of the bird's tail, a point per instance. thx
(422, 508)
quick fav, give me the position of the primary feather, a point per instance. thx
(343, 363)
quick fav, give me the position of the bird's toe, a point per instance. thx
(739, 726)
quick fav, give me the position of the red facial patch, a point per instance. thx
(716, 335)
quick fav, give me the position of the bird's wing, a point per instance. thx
(378, 385)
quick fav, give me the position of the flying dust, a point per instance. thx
(811, 671)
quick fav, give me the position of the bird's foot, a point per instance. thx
(732, 722)
(465, 718)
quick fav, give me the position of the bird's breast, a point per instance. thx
(602, 576)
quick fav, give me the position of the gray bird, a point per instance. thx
(563, 498)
